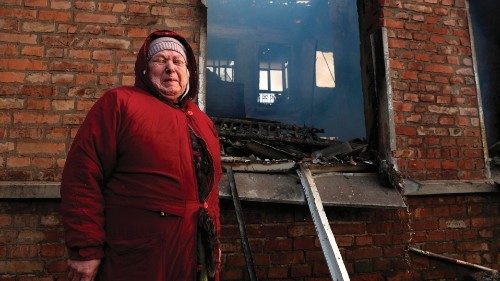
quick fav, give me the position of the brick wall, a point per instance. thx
(57, 57)
(435, 100)
(284, 242)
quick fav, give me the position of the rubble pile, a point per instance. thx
(494, 152)
(265, 141)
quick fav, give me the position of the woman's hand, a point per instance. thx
(83, 270)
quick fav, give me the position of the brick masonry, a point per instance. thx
(58, 56)
(373, 242)
(434, 89)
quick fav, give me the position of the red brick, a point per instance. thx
(22, 64)
(43, 162)
(71, 66)
(481, 222)
(301, 230)
(405, 130)
(396, 43)
(115, 31)
(439, 68)
(285, 258)
(232, 274)
(302, 270)
(5, 220)
(109, 43)
(348, 228)
(18, 162)
(137, 32)
(417, 164)
(95, 18)
(368, 277)
(11, 77)
(447, 121)
(474, 246)
(16, 267)
(33, 51)
(365, 253)
(390, 23)
(8, 49)
(57, 266)
(303, 243)
(49, 148)
(278, 244)
(24, 251)
(364, 240)
(35, 118)
(409, 75)
(82, 79)
(344, 240)
(40, 104)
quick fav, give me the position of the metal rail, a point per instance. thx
(241, 225)
(330, 249)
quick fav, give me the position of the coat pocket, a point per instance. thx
(135, 259)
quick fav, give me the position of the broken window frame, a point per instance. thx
(267, 64)
(477, 78)
(220, 66)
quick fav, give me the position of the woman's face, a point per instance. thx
(168, 73)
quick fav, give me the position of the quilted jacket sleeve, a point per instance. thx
(89, 163)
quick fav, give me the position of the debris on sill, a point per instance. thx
(494, 152)
(272, 147)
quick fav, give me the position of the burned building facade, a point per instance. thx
(413, 82)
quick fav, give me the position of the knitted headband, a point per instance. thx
(166, 43)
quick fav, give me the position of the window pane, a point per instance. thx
(229, 73)
(276, 81)
(263, 80)
(325, 71)
(286, 76)
(276, 65)
(267, 98)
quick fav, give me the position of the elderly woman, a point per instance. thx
(140, 186)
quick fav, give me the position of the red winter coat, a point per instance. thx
(129, 190)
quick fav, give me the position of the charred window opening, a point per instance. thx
(223, 68)
(325, 70)
(298, 68)
(295, 62)
(273, 73)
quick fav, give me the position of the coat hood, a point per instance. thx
(141, 67)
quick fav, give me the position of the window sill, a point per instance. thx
(335, 189)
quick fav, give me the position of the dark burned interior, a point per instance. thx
(295, 62)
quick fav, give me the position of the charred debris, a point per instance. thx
(271, 147)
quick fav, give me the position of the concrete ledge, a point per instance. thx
(335, 189)
(354, 190)
(422, 188)
(29, 190)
